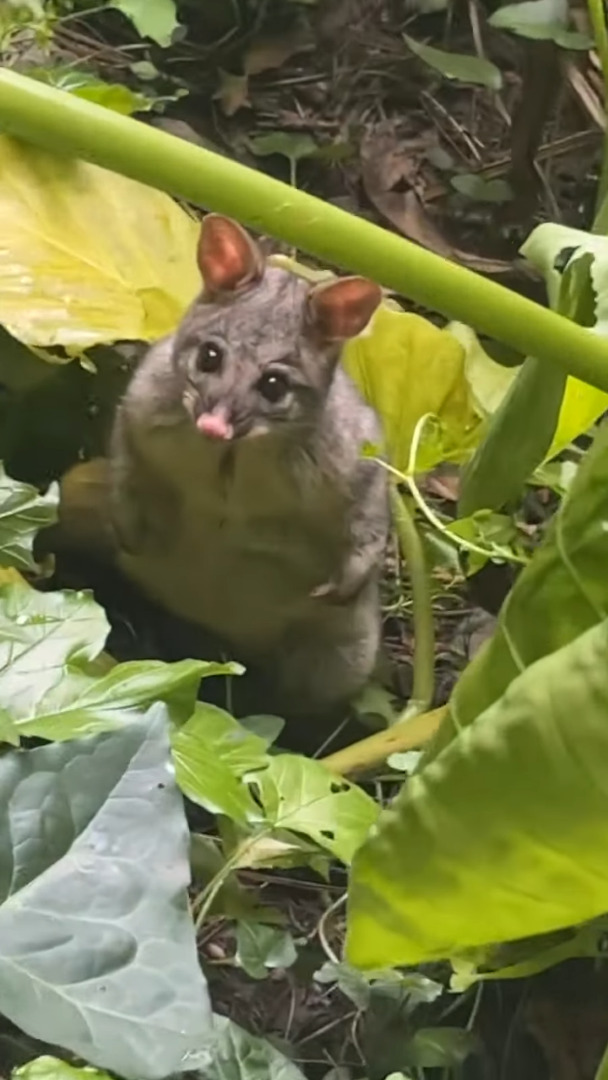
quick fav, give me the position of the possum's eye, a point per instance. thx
(274, 386)
(210, 357)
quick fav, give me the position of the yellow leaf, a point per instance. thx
(406, 367)
(581, 407)
(87, 256)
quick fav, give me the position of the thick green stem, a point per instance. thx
(424, 630)
(68, 125)
(600, 33)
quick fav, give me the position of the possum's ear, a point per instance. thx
(343, 308)
(228, 258)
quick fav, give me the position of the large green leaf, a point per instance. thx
(48, 686)
(97, 948)
(407, 368)
(562, 592)
(88, 256)
(509, 822)
(23, 512)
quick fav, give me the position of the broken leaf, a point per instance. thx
(156, 19)
(88, 256)
(458, 66)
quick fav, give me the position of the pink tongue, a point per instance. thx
(214, 426)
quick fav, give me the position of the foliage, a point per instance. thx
(96, 945)
(465, 69)
(535, 860)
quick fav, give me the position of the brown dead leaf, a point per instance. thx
(443, 482)
(232, 92)
(394, 182)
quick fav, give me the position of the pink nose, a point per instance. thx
(215, 426)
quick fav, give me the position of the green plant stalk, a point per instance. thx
(600, 33)
(68, 125)
(517, 439)
(371, 752)
(424, 630)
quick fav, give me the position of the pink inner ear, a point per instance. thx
(343, 309)
(227, 257)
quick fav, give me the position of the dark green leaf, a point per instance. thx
(519, 436)
(23, 512)
(440, 1048)
(97, 948)
(464, 69)
(241, 1056)
(475, 186)
(293, 146)
(261, 948)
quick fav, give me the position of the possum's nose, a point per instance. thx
(215, 425)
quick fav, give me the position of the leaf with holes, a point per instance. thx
(302, 796)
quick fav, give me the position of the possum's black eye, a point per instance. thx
(210, 357)
(274, 386)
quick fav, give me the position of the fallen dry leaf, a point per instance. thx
(394, 182)
(232, 92)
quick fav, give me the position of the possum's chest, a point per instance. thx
(255, 531)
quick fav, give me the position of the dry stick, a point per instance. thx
(68, 125)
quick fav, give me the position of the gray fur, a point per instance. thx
(274, 540)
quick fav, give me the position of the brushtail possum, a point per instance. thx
(239, 494)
